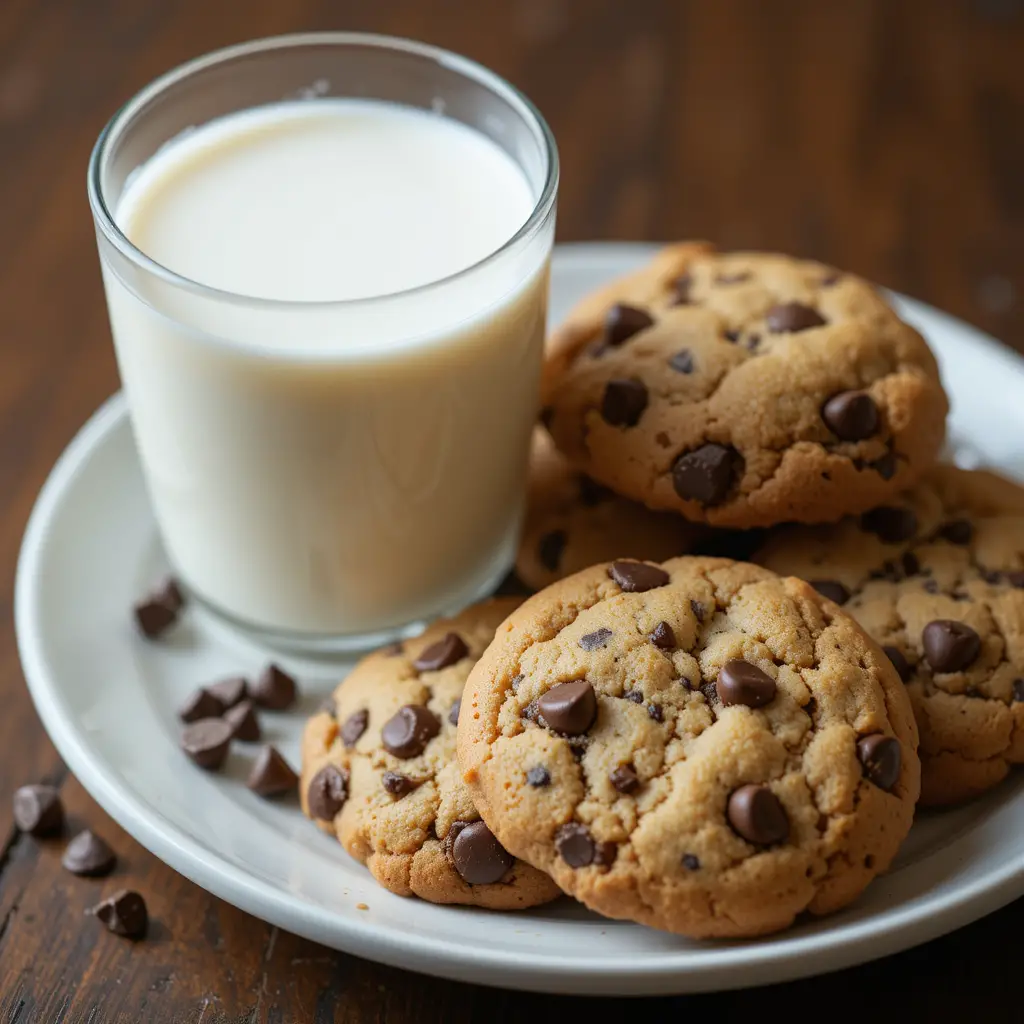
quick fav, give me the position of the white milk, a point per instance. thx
(315, 465)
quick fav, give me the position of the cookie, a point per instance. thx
(937, 578)
(379, 771)
(699, 746)
(744, 390)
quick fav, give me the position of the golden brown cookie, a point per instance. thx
(700, 746)
(744, 389)
(379, 771)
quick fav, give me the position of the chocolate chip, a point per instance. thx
(655, 713)
(354, 727)
(930, 586)
(274, 689)
(810, 707)
(87, 854)
(880, 757)
(271, 774)
(37, 810)
(124, 913)
(957, 531)
(663, 637)
(691, 862)
(515, 681)
(792, 317)
(739, 682)
(885, 466)
(705, 475)
(450, 649)
(453, 714)
(682, 361)
(911, 566)
(477, 855)
(899, 662)
(756, 815)
(538, 776)
(605, 853)
(681, 286)
(1018, 691)
(206, 742)
(890, 525)
(599, 638)
(229, 692)
(591, 492)
(408, 731)
(327, 793)
(735, 277)
(550, 548)
(851, 415)
(530, 711)
(831, 589)
(637, 577)
(159, 610)
(624, 402)
(245, 726)
(575, 845)
(950, 646)
(830, 279)
(731, 336)
(699, 611)
(753, 342)
(199, 704)
(625, 779)
(393, 650)
(622, 322)
(397, 784)
(1016, 579)
(710, 692)
(569, 708)
(634, 696)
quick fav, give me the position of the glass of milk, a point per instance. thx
(326, 264)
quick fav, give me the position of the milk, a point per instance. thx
(333, 420)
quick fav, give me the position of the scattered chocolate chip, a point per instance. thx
(393, 650)
(229, 692)
(408, 731)
(885, 466)
(550, 548)
(681, 286)
(245, 726)
(682, 361)
(637, 577)
(890, 525)
(830, 279)
(477, 855)
(753, 342)
(599, 638)
(154, 618)
(200, 704)
(911, 566)
(792, 317)
(735, 277)
(755, 814)
(880, 757)
(538, 776)
(622, 322)
(950, 646)
(87, 854)
(705, 475)
(1018, 691)
(591, 492)
(575, 845)
(397, 784)
(957, 531)
(124, 913)
(354, 727)
(851, 415)
(450, 649)
(699, 611)
(691, 862)
(271, 774)
(930, 586)
(530, 711)
(732, 336)
(624, 402)
(206, 742)
(37, 810)
(274, 689)
(453, 714)
(625, 779)
(710, 692)
(605, 853)
(833, 590)
(739, 682)
(569, 708)
(655, 713)
(327, 793)
(1016, 579)
(663, 637)
(991, 576)
(899, 662)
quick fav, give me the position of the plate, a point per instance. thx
(108, 700)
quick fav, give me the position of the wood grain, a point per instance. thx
(886, 136)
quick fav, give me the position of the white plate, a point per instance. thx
(108, 701)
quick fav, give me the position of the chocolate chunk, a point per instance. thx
(755, 814)
(637, 577)
(569, 708)
(739, 682)
(1018, 691)
(450, 649)
(624, 402)
(477, 855)
(575, 845)
(851, 415)
(682, 361)
(245, 726)
(950, 646)
(591, 492)
(550, 548)
(655, 713)
(705, 475)
(229, 692)
(831, 589)
(625, 779)
(792, 317)
(200, 704)
(957, 531)
(159, 610)
(274, 689)
(124, 913)
(880, 757)
(538, 776)
(206, 742)
(622, 322)
(327, 793)
(698, 610)
(271, 774)
(890, 525)
(899, 662)
(599, 638)
(681, 286)
(885, 466)
(87, 854)
(735, 277)
(691, 862)
(37, 810)
(408, 731)
(453, 714)
(663, 637)
(354, 727)
(397, 784)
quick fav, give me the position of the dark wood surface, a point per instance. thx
(886, 137)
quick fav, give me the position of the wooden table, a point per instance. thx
(886, 137)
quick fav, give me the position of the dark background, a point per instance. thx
(885, 137)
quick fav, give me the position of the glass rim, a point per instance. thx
(464, 66)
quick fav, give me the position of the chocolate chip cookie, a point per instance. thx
(937, 578)
(744, 389)
(699, 745)
(379, 771)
